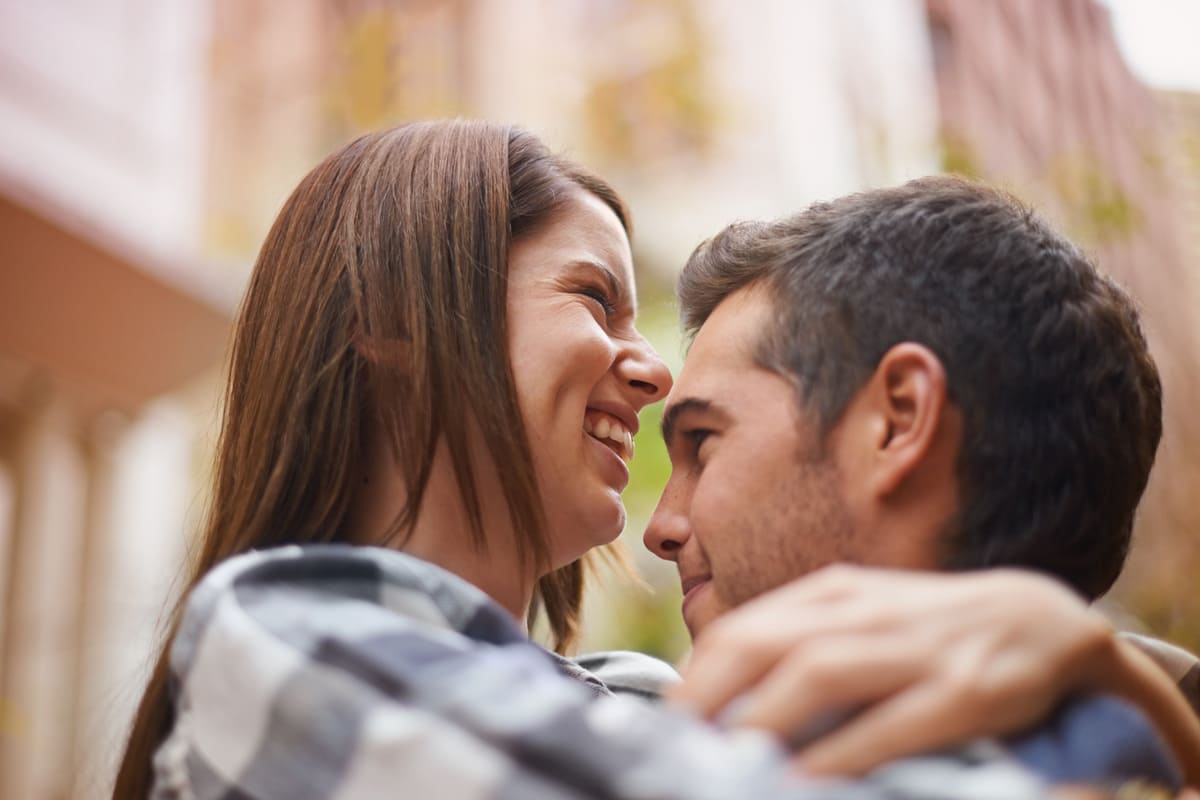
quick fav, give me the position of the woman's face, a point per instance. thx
(581, 368)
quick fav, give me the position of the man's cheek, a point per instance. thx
(715, 498)
(707, 520)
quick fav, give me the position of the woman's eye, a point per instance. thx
(600, 297)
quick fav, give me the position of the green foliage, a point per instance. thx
(958, 158)
(663, 108)
(1099, 209)
(393, 64)
(629, 618)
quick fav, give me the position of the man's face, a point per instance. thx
(754, 500)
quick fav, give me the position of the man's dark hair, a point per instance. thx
(1044, 356)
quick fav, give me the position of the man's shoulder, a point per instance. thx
(1098, 740)
(628, 672)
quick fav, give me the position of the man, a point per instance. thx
(361, 672)
(926, 377)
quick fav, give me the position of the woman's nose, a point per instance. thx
(644, 371)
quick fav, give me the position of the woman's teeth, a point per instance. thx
(606, 429)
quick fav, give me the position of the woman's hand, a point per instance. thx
(915, 662)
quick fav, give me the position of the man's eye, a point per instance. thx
(600, 297)
(696, 439)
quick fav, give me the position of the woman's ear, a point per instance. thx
(905, 399)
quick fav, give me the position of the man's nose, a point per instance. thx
(668, 529)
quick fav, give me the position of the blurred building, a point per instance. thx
(106, 319)
(146, 145)
(1035, 96)
(700, 110)
(1181, 163)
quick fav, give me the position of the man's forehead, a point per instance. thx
(722, 378)
(725, 343)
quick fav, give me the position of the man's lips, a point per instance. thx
(691, 586)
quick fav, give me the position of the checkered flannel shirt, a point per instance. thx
(341, 672)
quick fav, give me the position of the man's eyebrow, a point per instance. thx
(671, 415)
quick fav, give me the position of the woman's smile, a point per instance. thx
(609, 431)
(581, 368)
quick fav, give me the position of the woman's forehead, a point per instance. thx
(583, 229)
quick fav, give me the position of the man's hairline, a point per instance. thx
(764, 356)
(761, 356)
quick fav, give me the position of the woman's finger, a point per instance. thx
(813, 688)
(737, 651)
(724, 666)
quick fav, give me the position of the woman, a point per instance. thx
(371, 370)
(436, 354)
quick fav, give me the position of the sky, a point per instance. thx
(1160, 40)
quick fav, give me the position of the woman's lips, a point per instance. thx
(610, 430)
(613, 467)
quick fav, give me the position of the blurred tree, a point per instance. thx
(1098, 209)
(656, 102)
(957, 157)
(396, 62)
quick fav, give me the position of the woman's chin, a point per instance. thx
(591, 528)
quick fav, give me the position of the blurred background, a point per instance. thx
(145, 146)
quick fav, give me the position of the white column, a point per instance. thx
(49, 479)
(144, 499)
(95, 733)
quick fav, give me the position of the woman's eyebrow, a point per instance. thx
(615, 287)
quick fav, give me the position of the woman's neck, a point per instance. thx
(442, 536)
(442, 533)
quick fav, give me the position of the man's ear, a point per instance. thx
(905, 400)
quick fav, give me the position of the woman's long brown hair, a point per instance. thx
(383, 279)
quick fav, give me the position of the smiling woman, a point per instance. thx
(571, 307)
(437, 318)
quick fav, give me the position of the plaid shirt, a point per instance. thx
(335, 671)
